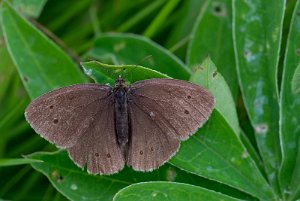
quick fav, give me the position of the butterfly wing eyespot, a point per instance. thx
(180, 108)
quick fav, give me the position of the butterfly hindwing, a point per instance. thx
(149, 146)
(98, 147)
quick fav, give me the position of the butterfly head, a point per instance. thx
(120, 81)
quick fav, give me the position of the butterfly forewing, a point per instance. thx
(178, 107)
(61, 116)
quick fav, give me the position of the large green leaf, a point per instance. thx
(257, 35)
(136, 50)
(41, 63)
(168, 191)
(212, 35)
(215, 152)
(290, 110)
(206, 74)
(77, 184)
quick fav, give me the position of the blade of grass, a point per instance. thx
(160, 18)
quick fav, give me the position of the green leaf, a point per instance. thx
(212, 35)
(206, 74)
(252, 151)
(215, 152)
(296, 80)
(257, 38)
(31, 8)
(42, 65)
(104, 73)
(77, 184)
(133, 49)
(290, 110)
(17, 161)
(168, 191)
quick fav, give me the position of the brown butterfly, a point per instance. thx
(141, 124)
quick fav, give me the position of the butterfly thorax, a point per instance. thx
(121, 111)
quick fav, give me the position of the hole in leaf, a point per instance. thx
(217, 8)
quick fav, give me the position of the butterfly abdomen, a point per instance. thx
(121, 115)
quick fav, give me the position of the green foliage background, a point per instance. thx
(248, 150)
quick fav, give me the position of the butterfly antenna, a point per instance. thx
(140, 63)
(146, 58)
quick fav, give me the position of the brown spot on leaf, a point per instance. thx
(25, 79)
(215, 73)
